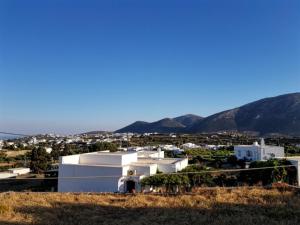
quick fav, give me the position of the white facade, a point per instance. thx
(6, 175)
(19, 171)
(258, 152)
(112, 172)
(187, 146)
(48, 150)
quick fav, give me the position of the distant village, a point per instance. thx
(150, 162)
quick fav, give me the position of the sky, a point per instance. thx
(73, 66)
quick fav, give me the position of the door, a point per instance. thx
(130, 186)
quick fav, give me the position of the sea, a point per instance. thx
(8, 137)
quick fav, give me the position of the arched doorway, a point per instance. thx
(130, 186)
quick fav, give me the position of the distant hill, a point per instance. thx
(162, 126)
(276, 115)
(279, 114)
(188, 120)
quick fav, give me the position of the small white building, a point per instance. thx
(7, 175)
(112, 172)
(187, 146)
(33, 141)
(1, 144)
(48, 150)
(258, 152)
(19, 171)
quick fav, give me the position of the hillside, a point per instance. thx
(276, 115)
(279, 114)
(214, 207)
(162, 126)
(188, 120)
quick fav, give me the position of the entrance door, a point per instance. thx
(130, 186)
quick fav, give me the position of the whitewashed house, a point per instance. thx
(258, 152)
(19, 171)
(187, 146)
(112, 172)
(48, 150)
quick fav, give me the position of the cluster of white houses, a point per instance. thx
(113, 172)
(123, 171)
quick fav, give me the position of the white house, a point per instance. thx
(112, 172)
(189, 146)
(48, 150)
(19, 171)
(1, 144)
(258, 152)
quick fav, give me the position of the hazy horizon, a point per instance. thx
(75, 66)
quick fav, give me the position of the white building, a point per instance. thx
(187, 146)
(7, 175)
(258, 152)
(33, 141)
(48, 150)
(112, 172)
(1, 144)
(19, 171)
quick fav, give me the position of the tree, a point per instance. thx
(40, 160)
(3, 157)
(102, 146)
(55, 153)
(67, 150)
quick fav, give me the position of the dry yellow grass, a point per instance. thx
(225, 207)
(16, 153)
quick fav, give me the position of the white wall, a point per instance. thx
(108, 159)
(167, 168)
(241, 152)
(145, 170)
(129, 158)
(269, 152)
(107, 184)
(258, 153)
(182, 164)
(85, 170)
(71, 159)
(74, 178)
(101, 159)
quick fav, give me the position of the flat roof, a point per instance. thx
(110, 153)
(158, 161)
(98, 165)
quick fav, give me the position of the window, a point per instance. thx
(249, 154)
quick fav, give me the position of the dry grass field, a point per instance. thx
(225, 207)
(16, 153)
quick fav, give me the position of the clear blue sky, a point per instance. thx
(71, 66)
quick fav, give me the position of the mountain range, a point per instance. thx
(275, 115)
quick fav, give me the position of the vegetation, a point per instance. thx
(40, 160)
(268, 176)
(171, 182)
(215, 207)
(208, 153)
(292, 150)
(201, 176)
(102, 146)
